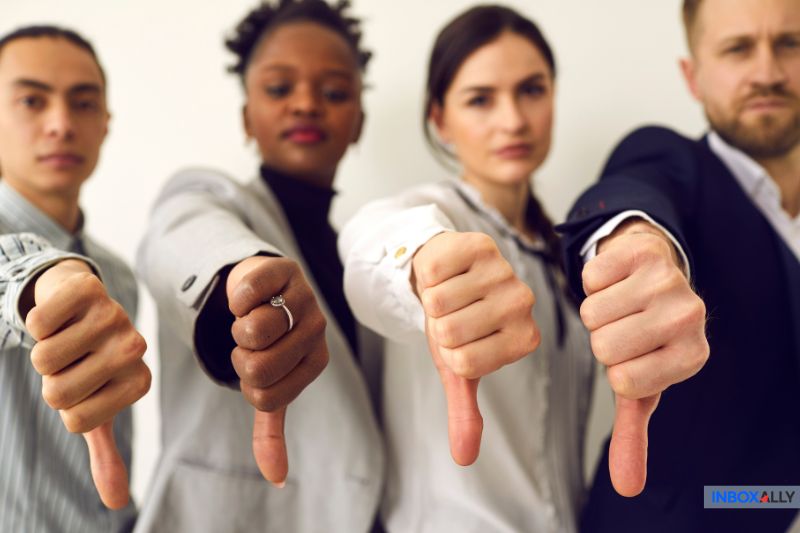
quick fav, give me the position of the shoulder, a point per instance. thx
(654, 144)
(201, 179)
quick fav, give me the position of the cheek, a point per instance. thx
(469, 134)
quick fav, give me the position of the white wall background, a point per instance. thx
(173, 106)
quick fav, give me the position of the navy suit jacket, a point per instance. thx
(737, 421)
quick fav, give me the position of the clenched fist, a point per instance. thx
(477, 319)
(648, 327)
(274, 364)
(90, 359)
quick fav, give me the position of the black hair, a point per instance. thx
(268, 16)
(466, 33)
(55, 32)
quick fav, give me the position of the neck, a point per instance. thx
(320, 179)
(509, 199)
(785, 171)
(62, 206)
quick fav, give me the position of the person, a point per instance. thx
(245, 278)
(433, 268)
(70, 359)
(731, 200)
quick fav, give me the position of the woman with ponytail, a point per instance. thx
(445, 272)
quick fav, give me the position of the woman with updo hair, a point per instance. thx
(246, 277)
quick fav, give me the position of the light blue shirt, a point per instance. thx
(45, 480)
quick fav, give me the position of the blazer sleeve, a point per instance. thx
(198, 230)
(653, 170)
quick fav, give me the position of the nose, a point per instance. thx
(768, 70)
(60, 122)
(305, 101)
(510, 116)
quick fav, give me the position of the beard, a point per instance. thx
(771, 136)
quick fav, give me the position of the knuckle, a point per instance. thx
(432, 302)
(317, 363)
(621, 381)
(264, 400)
(53, 394)
(590, 276)
(445, 332)
(588, 313)
(462, 364)
(141, 383)
(74, 421)
(601, 347)
(41, 358)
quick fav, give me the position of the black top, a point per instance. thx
(307, 207)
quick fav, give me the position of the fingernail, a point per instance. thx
(279, 485)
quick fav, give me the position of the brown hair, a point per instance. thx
(690, 9)
(463, 35)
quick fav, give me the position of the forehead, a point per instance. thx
(724, 19)
(54, 61)
(305, 46)
(505, 60)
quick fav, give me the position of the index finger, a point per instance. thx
(269, 278)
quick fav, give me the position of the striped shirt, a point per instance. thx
(45, 480)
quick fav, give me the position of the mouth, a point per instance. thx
(60, 160)
(769, 103)
(514, 151)
(305, 135)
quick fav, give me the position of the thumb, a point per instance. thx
(627, 456)
(269, 446)
(464, 420)
(108, 470)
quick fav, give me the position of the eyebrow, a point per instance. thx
(730, 39)
(539, 76)
(342, 73)
(77, 88)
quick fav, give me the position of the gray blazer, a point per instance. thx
(207, 479)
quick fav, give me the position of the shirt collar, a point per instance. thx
(750, 175)
(26, 217)
(473, 197)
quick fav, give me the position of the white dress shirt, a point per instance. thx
(754, 180)
(528, 476)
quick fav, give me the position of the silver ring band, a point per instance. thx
(280, 301)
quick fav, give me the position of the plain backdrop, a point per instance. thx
(174, 105)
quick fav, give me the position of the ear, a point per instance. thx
(246, 123)
(359, 128)
(108, 122)
(689, 70)
(436, 117)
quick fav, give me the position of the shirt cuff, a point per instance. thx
(21, 275)
(589, 249)
(400, 255)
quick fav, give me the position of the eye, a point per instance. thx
(33, 101)
(86, 105)
(336, 95)
(533, 89)
(278, 90)
(480, 100)
(737, 49)
(789, 43)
